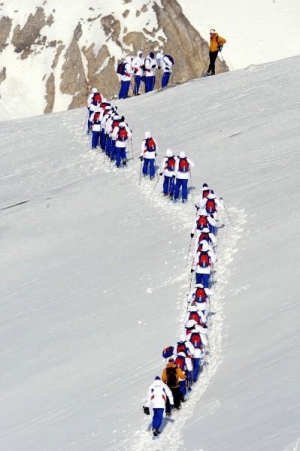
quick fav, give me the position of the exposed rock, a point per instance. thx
(105, 79)
(50, 94)
(58, 52)
(125, 13)
(111, 26)
(2, 75)
(24, 38)
(73, 81)
(78, 32)
(5, 27)
(184, 43)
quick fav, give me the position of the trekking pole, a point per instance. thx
(227, 212)
(189, 250)
(191, 279)
(206, 64)
(155, 186)
(84, 124)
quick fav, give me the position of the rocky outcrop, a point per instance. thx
(73, 80)
(24, 38)
(5, 27)
(50, 94)
(75, 69)
(2, 75)
(184, 43)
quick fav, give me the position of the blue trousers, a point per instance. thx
(120, 155)
(168, 185)
(157, 418)
(183, 184)
(149, 83)
(196, 364)
(204, 279)
(95, 139)
(89, 124)
(212, 228)
(137, 84)
(112, 149)
(102, 139)
(165, 79)
(182, 387)
(107, 145)
(125, 85)
(149, 162)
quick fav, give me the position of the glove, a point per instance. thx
(192, 270)
(192, 235)
(146, 410)
(161, 173)
(220, 48)
(141, 157)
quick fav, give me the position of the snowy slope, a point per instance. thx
(94, 275)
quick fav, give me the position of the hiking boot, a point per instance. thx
(155, 432)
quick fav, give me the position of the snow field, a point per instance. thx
(80, 271)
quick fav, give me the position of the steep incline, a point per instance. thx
(93, 275)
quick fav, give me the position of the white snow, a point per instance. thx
(94, 275)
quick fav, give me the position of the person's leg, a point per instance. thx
(145, 166)
(176, 189)
(184, 190)
(165, 79)
(196, 363)
(137, 84)
(118, 156)
(148, 84)
(152, 167)
(157, 418)
(166, 185)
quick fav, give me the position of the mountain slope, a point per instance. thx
(94, 275)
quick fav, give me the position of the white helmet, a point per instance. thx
(94, 90)
(147, 135)
(182, 154)
(169, 153)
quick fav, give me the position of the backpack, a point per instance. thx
(195, 316)
(202, 222)
(200, 295)
(121, 68)
(204, 236)
(205, 193)
(183, 165)
(115, 123)
(168, 352)
(122, 134)
(195, 339)
(204, 259)
(97, 98)
(181, 347)
(170, 58)
(210, 206)
(180, 361)
(96, 117)
(150, 145)
(170, 164)
(172, 376)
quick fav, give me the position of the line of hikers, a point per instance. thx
(186, 359)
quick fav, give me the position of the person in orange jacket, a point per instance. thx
(171, 376)
(215, 46)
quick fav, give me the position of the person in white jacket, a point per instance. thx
(212, 204)
(150, 71)
(182, 173)
(165, 62)
(148, 155)
(202, 265)
(203, 220)
(121, 135)
(137, 64)
(198, 338)
(158, 393)
(125, 79)
(167, 169)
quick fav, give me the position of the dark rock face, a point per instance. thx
(5, 27)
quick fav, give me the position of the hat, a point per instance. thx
(147, 135)
(198, 285)
(151, 54)
(139, 53)
(182, 154)
(212, 31)
(94, 90)
(169, 153)
(171, 360)
(211, 196)
(157, 378)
